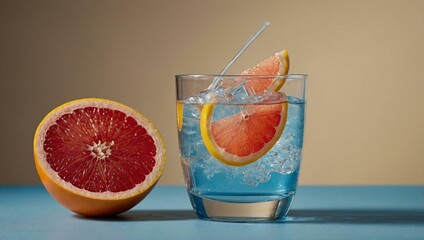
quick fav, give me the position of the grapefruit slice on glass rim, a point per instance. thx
(98, 157)
(244, 137)
(277, 64)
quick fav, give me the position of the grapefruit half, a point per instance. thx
(246, 136)
(98, 157)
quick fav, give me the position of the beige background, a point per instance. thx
(365, 60)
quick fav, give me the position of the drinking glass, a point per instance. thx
(243, 187)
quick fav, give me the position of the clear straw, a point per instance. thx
(239, 53)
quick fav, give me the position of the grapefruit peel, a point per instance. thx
(180, 112)
(278, 83)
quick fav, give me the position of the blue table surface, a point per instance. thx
(318, 212)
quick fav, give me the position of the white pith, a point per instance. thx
(101, 150)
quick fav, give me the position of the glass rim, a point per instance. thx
(290, 76)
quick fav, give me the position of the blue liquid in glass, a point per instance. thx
(273, 177)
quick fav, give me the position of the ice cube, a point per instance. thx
(256, 174)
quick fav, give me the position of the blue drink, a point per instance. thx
(259, 191)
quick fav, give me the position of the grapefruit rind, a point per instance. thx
(180, 111)
(230, 159)
(278, 83)
(83, 201)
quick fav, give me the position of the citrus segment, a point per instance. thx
(278, 64)
(98, 157)
(243, 138)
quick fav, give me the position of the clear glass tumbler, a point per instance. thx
(241, 144)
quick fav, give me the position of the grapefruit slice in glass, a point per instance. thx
(98, 157)
(246, 136)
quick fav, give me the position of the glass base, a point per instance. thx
(266, 211)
